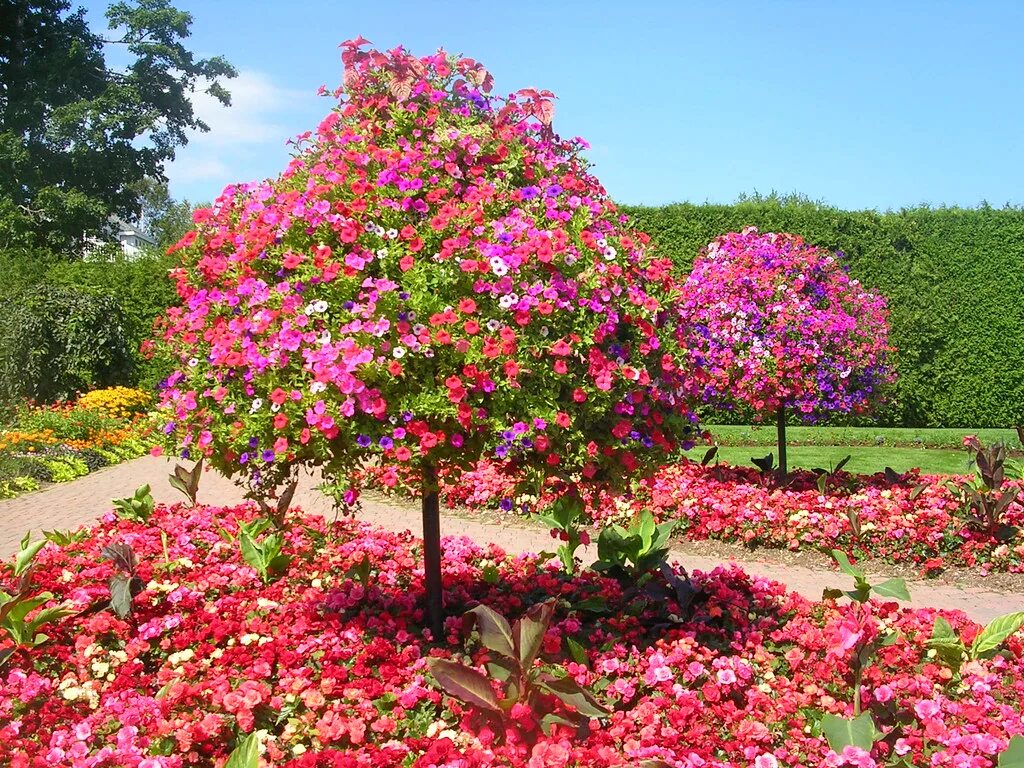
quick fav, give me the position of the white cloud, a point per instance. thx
(254, 115)
(191, 167)
(246, 141)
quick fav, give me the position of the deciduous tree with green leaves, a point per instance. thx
(78, 134)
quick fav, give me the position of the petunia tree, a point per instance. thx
(778, 325)
(435, 278)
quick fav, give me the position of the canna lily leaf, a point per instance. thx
(464, 683)
(495, 632)
(569, 692)
(528, 633)
(27, 554)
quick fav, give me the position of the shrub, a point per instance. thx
(58, 341)
(435, 277)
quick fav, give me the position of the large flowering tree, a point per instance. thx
(779, 325)
(436, 277)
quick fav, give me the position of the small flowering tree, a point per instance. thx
(435, 278)
(779, 325)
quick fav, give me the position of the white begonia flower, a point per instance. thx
(382, 253)
(193, 362)
(257, 403)
(317, 386)
(601, 242)
(398, 353)
(610, 253)
(392, 233)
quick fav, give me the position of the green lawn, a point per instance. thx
(887, 437)
(865, 460)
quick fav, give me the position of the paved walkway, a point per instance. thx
(81, 502)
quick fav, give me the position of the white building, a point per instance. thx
(133, 241)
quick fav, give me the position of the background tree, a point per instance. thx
(779, 325)
(77, 135)
(435, 278)
(165, 219)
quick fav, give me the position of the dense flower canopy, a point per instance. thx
(772, 322)
(435, 276)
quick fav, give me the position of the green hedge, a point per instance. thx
(954, 279)
(72, 325)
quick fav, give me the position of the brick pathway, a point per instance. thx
(69, 505)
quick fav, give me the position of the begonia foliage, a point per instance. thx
(436, 276)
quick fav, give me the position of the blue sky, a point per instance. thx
(860, 104)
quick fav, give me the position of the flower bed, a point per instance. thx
(328, 663)
(57, 443)
(908, 519)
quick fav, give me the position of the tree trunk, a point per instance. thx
(781, 426)
(431, 509)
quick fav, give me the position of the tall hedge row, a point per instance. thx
(955, 282)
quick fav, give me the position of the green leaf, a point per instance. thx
(846, 566)
(842, 732)
(120, 595)
(645, 527)
(246, 754)
(943, 634)
(251, 552)
(552, 719)
(577, 651)
(502, 669)
(592, 605)
(27, 554)
(1013, 755)
(896, 588)
(528, 633)
(610, 544)
(495, 632)
(571, 694)
(464, 683)
(997, 631)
